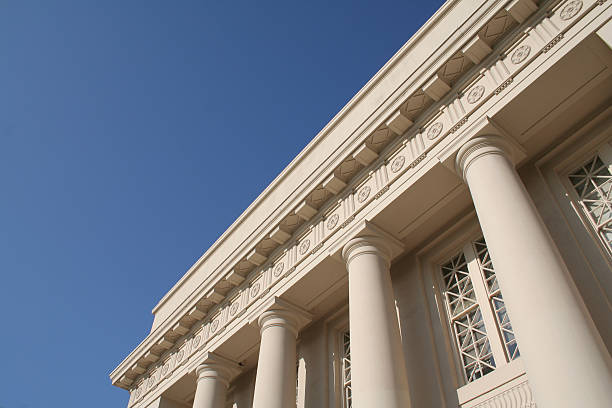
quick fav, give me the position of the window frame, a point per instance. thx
(336, 324)
(464, 230)
(483, 300)
(604, 151)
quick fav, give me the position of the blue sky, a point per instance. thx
(132, 134)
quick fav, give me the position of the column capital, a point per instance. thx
(219, 368)
(280, 313)
(478, 147)
(369, 244)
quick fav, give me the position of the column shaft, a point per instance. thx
(378, 371)
(276, 367)
(563, 355)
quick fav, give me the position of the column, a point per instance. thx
(378, 371)
(276, 368)
(214, 375)
(566, 363)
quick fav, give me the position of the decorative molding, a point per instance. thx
(520, 54)
(571, 9)
(518, 396)
(364, 193)
(332, 221)
(381, 192)
(398, 163)
(417, 161)
(503, 86)
(552, 43)
(435, 130)
(316, 248)
(475, 94)
(347, 221)
(459, 124)
(304, 246)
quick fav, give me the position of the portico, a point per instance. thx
(440, 256)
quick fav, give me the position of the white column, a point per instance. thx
(378, 370)
(276, 369)
(213, 379)
(566, 363)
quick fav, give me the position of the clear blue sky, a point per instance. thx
(132, 134)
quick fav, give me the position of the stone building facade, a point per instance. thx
(445, 241)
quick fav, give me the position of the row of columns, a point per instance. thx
(566, 362)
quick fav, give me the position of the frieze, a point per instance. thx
(243, 296)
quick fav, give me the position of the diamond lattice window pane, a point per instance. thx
(593, 184)
(499, 308)
(505, 327)
(486, 265)
(474, 346)
(459, 291)
(346, 370)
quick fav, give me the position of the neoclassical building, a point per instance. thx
(445, 241)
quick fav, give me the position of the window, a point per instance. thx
(592, 185)
(476, 311)
(347, 401)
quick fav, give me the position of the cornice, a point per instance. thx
(392, 163)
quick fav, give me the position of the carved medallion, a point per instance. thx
(435, 130)
(196, 340)
(137, 393)
(397, 163)
(255, 289)
(180, 355)
(364, 193)
(520, 54)
(278, 269)
(165, 369)
(234, 308)
(475, 94)
(150, 382)
(571, 9)
(332, 221)
(304, 246)
(214, 326)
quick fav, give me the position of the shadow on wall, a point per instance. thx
(417, 342)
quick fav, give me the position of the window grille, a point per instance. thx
(476, 311)
(592, 183)
(495, 298)
(346, 370)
